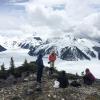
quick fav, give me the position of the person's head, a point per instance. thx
(62, 73)
(53, 52)
(87, 70)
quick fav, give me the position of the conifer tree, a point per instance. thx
(2, 72)
(25, 63)
(12, 66)
(2, 68)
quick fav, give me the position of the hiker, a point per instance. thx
(63, 80)
(88, 77)
(40, 67)
(52, 58)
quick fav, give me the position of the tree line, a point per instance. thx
(16, 71)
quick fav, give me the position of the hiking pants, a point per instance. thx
(39, 74)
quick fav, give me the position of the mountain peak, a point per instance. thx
(68, 47)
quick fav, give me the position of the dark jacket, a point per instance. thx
(63, 80)
(39, 62)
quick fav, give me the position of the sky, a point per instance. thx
(51, 17)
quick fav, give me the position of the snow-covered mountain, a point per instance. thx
(17, 41)
(2, 48)
(31, 42)
(68, 48)
(9, 42)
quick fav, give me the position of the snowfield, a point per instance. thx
(19, 56)
(74, 67)
(79, 66)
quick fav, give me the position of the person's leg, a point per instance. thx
(53, 64)
(50, 64)
(50, 69)
(39, 75)
(87, 81)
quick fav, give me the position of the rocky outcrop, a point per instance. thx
(26, 90)
(45, 51)
(73, 53)
(68, 48)
(30, 42)
(2, 48)
(67, 53)
(97, 49)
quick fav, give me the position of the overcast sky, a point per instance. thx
(51, 17)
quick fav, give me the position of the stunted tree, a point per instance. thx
(3, 72)
(3, 68)
(12, 66)
(25, 63)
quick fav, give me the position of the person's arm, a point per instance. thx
(50, 58)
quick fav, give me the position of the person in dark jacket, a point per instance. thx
(63, 80)
(40, 67)
(88, 77)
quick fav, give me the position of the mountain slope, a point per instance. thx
(30, 42)
(68, 48)
(24, 88)
(2, 48)
(73, 53)
(9, 42)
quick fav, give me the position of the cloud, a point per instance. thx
(11, 25)
(17, 1)
(8, 22)
(42, 13)
(57, 17)
(89, 27)
(62, 16)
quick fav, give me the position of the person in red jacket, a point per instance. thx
(88, 77)
(52, 58)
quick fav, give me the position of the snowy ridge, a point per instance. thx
(9, 43)
(74, 48)
(30, 42)
(67, 47)
(2, 48)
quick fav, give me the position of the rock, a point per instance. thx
(2, 83)
(27, 90)
(24, 75)
(2, 48)
(10, 80)
(26, 80)
(16, 98)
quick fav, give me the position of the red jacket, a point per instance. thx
(52, 57)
